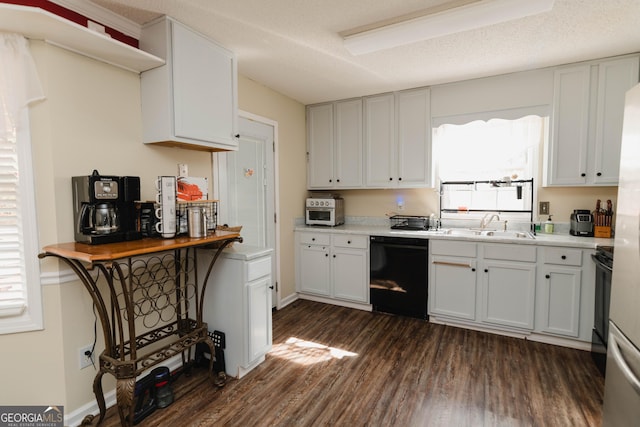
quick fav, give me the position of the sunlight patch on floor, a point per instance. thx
(307, 352)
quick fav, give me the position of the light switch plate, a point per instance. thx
(543, 208)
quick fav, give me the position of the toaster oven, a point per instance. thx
(324, 211)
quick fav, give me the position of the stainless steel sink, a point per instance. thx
(487, 233)
(463, 232)
(517, 234)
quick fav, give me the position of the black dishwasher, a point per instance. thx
(398, 275)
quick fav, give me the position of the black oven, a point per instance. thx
(599, 336)
(398, 279)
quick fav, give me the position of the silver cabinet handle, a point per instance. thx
(624, 367)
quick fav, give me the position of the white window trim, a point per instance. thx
(31, 316)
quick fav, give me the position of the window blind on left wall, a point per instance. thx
(20, 301)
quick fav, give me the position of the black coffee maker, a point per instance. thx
(104, 208)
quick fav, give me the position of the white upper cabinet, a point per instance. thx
(414, 138)
(586, 124)
(335, 154)
(398, 140)
(191, 101)
(380, 141)
(615, 78)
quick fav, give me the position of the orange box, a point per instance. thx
(602, 231)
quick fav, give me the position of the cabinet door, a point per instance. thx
(508, 292)
(314, 269)
(567, 156)
(349, 155)
(615, 78)
(414, 138)
(380, 142)
(320, 148)
(452, 287)
(203, 88)
(259, 337)
(349, 273)
(561, 300)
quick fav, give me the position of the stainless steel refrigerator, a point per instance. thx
(622, 383)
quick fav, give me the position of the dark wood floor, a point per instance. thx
(333, 366)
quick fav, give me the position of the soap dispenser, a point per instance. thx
(548, 226)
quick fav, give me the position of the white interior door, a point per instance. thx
(246, 186)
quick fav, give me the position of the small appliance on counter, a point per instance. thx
(324, 209)
(581, 223)
(410, 222)
(104, 208)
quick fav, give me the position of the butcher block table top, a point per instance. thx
(113, 251)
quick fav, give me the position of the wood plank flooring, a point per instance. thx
(334, 366)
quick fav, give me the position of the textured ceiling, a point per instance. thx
(294, 46)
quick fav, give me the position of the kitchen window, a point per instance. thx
(492, 153)
(20, 293)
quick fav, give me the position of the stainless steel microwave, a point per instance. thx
(324, 211)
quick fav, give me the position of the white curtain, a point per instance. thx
(488, 150)
(19, 83)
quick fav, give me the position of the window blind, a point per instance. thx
(12, 271)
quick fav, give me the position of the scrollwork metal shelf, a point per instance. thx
(153, 296)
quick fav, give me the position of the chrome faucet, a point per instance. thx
(484, 223)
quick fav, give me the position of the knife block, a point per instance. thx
(602, 231)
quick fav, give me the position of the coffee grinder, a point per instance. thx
(104, 208)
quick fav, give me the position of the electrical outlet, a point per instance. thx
(86, 357)
(183, 169)
(400, 204)
(544, 208)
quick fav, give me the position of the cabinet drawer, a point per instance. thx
(510, 252)
(258, 268)
(563, 256)
(451, 248)
(350, 241)
(315, 238)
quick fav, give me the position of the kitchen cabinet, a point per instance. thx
(586, 123)
(333, 265)
(508, 285)
(238, 303)
(560, 291)
(350, 262)
(335, 151)
(452, 279)
(485, 284)
(314, 263)
(398, 139)
(191, 101)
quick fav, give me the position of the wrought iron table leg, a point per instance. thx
(125, 389)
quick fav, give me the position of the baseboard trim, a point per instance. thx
(75, 418)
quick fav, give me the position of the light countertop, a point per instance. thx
(541, 239)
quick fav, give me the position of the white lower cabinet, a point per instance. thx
(314, 265)
(333, 265)
(543, 292)
(452, 279)
(238, 302)
(561, 292)
(508, 292)
(483, 283)
(508, 285)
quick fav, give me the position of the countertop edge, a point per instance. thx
(539, 240)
